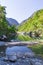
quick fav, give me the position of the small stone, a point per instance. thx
(7, 64)
(12, 58)
(1, 52)
(5, 58)
(38, 63)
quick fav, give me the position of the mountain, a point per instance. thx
(12, 21)
(33, 23)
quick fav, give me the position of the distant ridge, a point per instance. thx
(12, 21)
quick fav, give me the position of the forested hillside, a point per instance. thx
(33, 23)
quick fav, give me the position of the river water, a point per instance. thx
(18, 55)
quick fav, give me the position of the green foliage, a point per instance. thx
(5, 29)
(34, 23)
(11, 32)
(24, 38)
(3, 23)
(38, 49)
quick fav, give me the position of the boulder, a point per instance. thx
(10, 58)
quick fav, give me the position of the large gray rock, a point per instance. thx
(18, 52)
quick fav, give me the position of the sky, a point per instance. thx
(21, 9)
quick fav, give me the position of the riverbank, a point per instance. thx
(38, 49)
(20, 43)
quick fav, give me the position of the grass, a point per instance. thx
(27, 38)
(38, 49)
(24, 38)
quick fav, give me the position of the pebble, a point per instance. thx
(26, 61)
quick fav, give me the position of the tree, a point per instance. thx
(11, 32)
(3, 23)
(5, 29)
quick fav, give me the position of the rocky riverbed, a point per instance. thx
(18, 55)
(21, 61)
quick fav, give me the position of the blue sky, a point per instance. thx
(21, 9)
